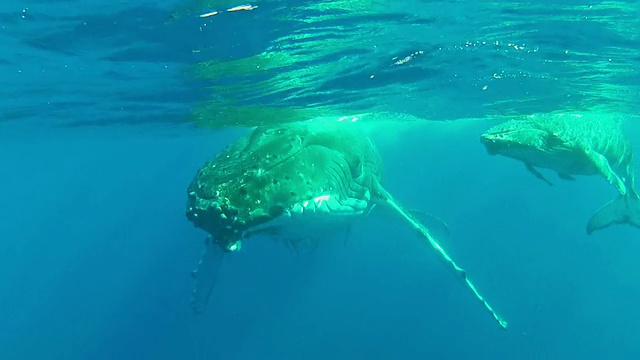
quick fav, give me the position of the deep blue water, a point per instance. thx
(97, 149)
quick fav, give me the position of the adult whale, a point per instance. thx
(297, 182)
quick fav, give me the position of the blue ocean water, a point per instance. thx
(98, 145)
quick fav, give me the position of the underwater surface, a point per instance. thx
(109, 110)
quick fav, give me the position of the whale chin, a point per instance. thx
(490, 146)
(491, 150)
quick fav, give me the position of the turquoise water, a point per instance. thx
(102, 129)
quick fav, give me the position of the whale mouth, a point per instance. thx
(491, 145)
(217, 218)
(324, 209)
(312, 217)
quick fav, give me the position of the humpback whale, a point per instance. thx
(296, 181)
(574, 144)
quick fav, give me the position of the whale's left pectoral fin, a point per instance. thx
(424, 232)
(602, 164)
(538, 174)
(432, 222)
(206, 274)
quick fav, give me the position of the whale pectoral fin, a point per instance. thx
(566, 177)
(537, 174)
(630, 179)
(602, 164)
(432, 222)
(206, 275)
(426, 234)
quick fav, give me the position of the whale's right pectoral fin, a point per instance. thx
(206, 274)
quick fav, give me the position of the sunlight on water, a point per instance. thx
(417, 57)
